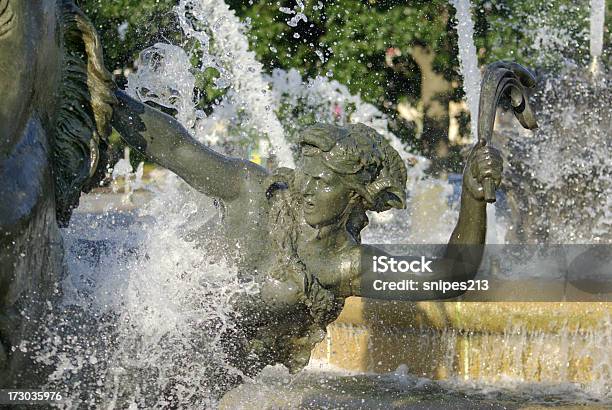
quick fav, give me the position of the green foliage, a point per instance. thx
(148, 22)
(348, 40)
(540, 34)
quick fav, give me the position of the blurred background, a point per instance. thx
(400, 56)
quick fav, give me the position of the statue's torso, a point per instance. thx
(289, 315)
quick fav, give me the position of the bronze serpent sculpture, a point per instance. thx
(503, 81)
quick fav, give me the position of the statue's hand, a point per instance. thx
(483, 162)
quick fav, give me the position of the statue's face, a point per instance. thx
(27, 47)
(325, 196)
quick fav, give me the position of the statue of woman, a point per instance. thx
(298, 231)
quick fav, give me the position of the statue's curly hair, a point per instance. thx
(366, 163)
(80, 141)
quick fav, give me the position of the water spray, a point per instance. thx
(468, 59)
(598, 10)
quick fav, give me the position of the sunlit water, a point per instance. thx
(239, 70)
(153, 306)
(468, 60)
(598, 16)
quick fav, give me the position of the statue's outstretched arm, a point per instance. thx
(166, 142)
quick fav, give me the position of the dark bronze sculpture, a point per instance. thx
(54, 119)
(503, 80)
(298, 231)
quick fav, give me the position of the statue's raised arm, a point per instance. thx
(348, 171)
(345, 172)
(166, 142)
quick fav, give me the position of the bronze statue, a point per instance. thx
(298, 231)
(54, 119)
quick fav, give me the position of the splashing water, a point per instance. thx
(558, 177)
(514, 345)
(157, 301)
(164, 78)
(297, 12)
(237, 65)
(132, 180)
(468, 61)
(330, 102)
(598, 10)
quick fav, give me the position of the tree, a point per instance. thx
(128, 26)
(367, 44)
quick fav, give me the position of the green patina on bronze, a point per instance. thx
(55, 115)
(299, 231)
(83, 123)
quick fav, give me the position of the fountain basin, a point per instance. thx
(486, 341)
